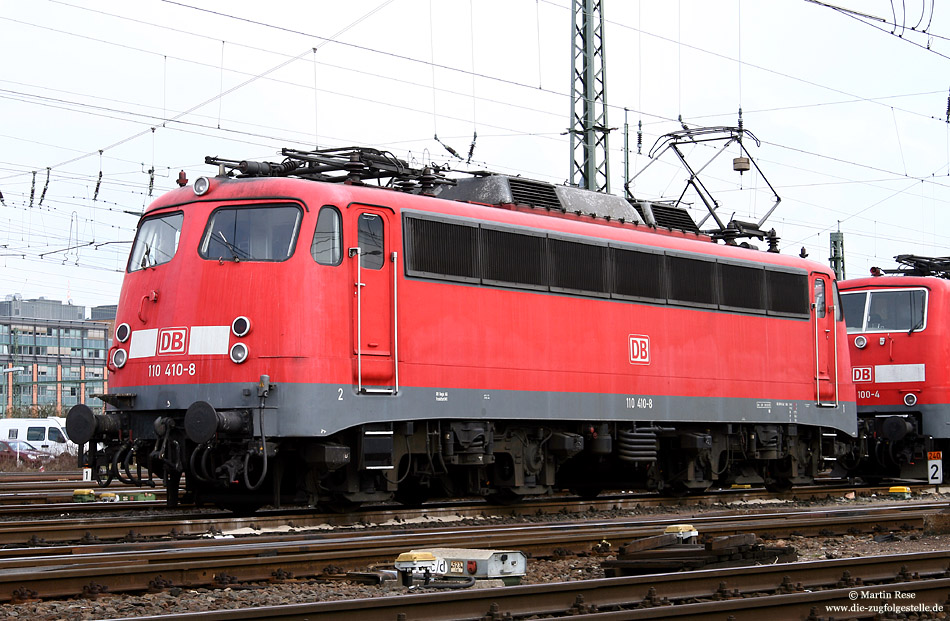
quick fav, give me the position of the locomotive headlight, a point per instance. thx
(860, 342)
(241, 326)
(238, 353)
(202, 185)
(119, 358)
(123, 332)
(910, 399)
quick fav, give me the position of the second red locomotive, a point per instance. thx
(296, 333)
(899, 347)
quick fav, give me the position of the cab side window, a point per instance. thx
(370, 231)
(327, 246)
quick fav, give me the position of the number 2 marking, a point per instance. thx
(339, 396)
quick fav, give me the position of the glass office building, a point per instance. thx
(51, 356)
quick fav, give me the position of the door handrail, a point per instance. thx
(395, 324)
(359, 318)
(833, 310)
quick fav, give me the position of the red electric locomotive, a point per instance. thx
(298, 333)
(899, 348)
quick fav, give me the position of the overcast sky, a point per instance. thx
(851, 111)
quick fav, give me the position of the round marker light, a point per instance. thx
(119, 358)
(860, 342)
(123, 332)
(202, 185)
(241, 326)
(238, 353)
(910, 399)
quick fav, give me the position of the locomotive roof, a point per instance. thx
(913, 271)
(353, 165)
(347, 170)
(893, 282)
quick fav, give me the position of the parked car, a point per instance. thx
(45, 434)
(20, 451)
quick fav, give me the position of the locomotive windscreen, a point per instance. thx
(156, 241)
(257, 233)
(882, 311)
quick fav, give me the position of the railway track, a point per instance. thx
(52, 494)
(70, 522)
(827, 590)
(63, 571)
(23, 492)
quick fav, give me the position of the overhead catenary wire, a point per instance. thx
(188, 128)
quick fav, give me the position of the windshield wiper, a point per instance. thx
(917, 326)
(145, 257)
(235, 251)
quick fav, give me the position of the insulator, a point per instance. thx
(427, 180)
(639, 136)
(447, 147)
(355, 169)
(43, 193)
(471, 148)
(95, 195)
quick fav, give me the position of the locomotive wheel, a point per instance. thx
(679, 489)
(586, 493)
(778, 485)
(241, 508)
(505, 497)
(412, 494)
(340, 505)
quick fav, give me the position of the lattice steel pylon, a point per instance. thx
(589, 131)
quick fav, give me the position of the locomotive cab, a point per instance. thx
(898, 349)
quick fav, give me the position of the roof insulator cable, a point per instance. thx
(948, 108)
(740, 125)
(151, 180)
(33, 189)
(640, 137)
(43, 193)
(2, 202)
(448, 148)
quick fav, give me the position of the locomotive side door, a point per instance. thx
(373, 270)
(826, 341)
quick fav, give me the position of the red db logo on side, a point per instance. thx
(639, 349)
(172, 340)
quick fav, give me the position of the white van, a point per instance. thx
(45, 434)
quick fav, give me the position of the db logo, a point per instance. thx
(172, 340)
(861, 374)
(639, 349)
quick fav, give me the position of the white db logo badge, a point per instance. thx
(639, 349)
(861, 374)
(172, 341)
